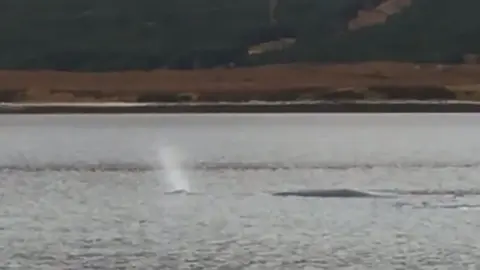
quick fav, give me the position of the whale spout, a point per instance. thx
(332, 193)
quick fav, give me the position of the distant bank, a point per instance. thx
(259, 107)
(355, 87)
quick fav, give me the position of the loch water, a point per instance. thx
(88, 192)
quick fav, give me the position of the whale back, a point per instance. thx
(340, 193)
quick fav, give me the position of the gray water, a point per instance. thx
(86, 192)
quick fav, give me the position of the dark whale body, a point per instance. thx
(333, 193)
(177, 191)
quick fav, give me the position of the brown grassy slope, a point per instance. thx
(128, 86)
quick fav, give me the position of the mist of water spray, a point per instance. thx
(171, 161)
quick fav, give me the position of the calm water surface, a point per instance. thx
(89, 192)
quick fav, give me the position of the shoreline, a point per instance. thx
(367, 87)
(407, 106)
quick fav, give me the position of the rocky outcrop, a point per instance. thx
(378, 15)
(275, 45)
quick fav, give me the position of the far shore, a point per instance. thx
(322, 88)
(261, 107)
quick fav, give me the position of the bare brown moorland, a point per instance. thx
(372, 80)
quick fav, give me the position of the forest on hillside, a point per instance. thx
(148, 34)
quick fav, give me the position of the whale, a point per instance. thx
(177, 191)
(333, 193)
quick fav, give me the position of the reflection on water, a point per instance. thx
(81, 192)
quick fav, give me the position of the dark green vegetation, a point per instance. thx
(147, 34)
(427, 31)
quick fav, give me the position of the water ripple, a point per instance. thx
(68, 216)
(232, 166)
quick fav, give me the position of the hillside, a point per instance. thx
(108, 35)
(296, 82)
(440, 31)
